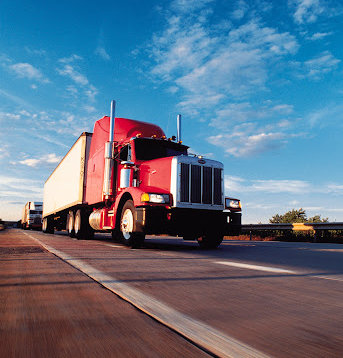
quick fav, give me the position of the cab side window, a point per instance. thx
(125, 153)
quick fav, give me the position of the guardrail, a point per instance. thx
(316, 228)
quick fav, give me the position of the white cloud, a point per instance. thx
(4, 152)
(320, 65)
(215, 68)
(8, 183)
(26, 70)
(36, 52)
(336, 188)
(241, 185)
(248, 130)
(237, 184)
(17, 100)
(5, 116)
(241, 145)
(70, 59)
(91, 93)
(307, 11)
(71, 72)
(89, 109)
(281, 186)
(231, 65)
(45, 159)
(283, 108)
(187, 6)
(100, 51)
(240, 11)
(319, 35)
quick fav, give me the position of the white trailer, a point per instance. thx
(65, 187)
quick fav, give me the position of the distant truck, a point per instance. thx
(129, 179)
(32, 215)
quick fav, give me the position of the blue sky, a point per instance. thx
(259, 85)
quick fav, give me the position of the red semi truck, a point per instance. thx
(129, 179)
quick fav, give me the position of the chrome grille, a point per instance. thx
(184, 197)
(200, 184)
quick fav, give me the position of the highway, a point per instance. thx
(65, 297)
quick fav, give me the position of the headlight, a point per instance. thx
(232, 204)
(155, 198)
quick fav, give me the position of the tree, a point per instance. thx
(292, 216)
(317, 219)
(296, 216)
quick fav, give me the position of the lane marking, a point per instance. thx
(255, 267)
(195, 331)
(116, 246)
(332, 278)
(277, 270)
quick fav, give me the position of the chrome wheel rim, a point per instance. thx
(77, 224)
(126, 225)
(71, 224)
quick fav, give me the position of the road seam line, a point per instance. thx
(202, 335)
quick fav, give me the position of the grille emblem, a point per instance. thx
(201, 161)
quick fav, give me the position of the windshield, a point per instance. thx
(148, 149)
(35, 212)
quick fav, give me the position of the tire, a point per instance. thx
(210, 241)
(128, 226)
(70, 224)
(82, 229)
(47, 226)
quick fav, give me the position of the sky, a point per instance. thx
(258, 84)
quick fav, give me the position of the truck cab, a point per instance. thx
(168, 190)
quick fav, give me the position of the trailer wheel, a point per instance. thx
(47, 226)
(211, 241)
(82, 228)
(70, 224)
(128, 226)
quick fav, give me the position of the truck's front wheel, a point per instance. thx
(128, 226)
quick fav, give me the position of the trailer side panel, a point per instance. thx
(66, 185)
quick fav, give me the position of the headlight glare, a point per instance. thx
(232, 204)
(155, 198)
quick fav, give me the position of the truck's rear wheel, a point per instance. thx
(128, 226)
(70, 224)
(47, 226)
(210, 241)
(82, 228)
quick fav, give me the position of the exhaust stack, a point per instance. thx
(178, 137)
(107, 187)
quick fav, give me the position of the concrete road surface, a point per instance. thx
(64, 297)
